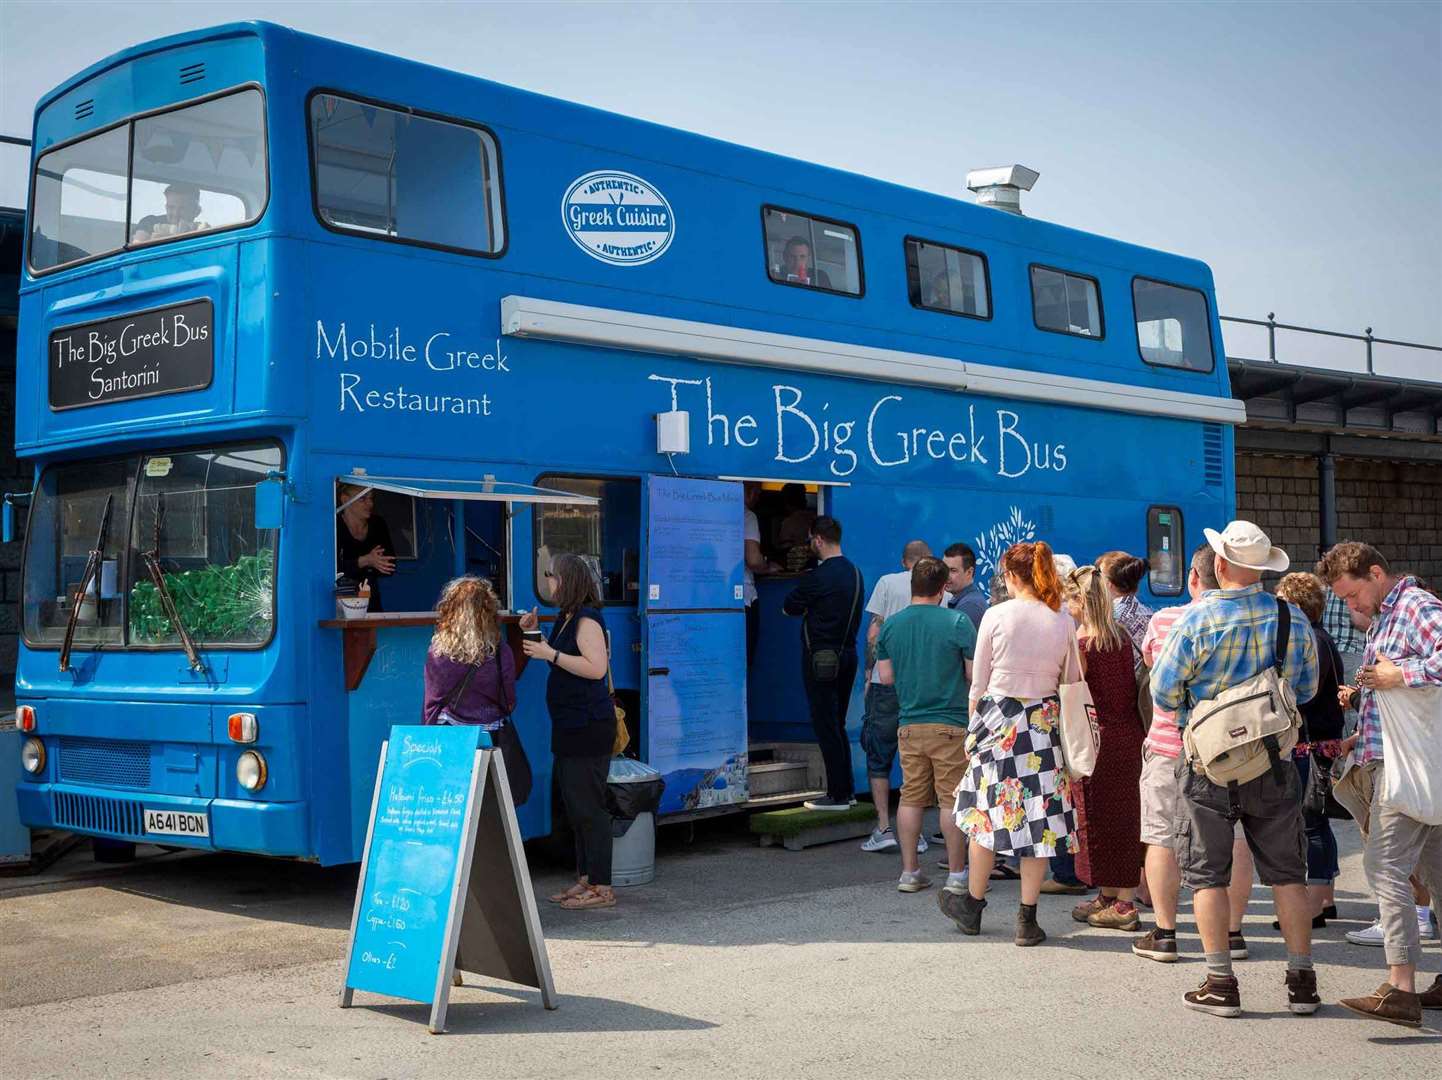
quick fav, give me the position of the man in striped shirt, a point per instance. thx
(1160, 793)
(1403, 658)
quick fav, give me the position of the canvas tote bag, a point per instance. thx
(1080, 734)
(1412, 752)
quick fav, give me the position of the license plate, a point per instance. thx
(176, 823)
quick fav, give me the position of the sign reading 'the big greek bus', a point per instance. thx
(162, 351)
(618, 218)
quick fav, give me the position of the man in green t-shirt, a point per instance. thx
(925, 650)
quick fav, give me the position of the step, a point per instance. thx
(777, 778)
(800, 828)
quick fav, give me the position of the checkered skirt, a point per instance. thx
(1016, 797)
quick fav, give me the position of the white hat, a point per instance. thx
(1064, 563)
(1245, 545)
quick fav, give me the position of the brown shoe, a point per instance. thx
(1431, 998)
(1389, 1004)
(1052, 887)
(1109, 918)
(1087, 908)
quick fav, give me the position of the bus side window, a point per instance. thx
(402, 175)
(606, 535)
(1165, 554)
(1066, 303)
(811, 252)
(1173, 327)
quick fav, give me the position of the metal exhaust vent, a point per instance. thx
(1001, 187)
(192, 73)
(84, 109)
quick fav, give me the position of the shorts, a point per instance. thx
(1160, 796)
(1271, 821)
(878, 728)
(933, 761)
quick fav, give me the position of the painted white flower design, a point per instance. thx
(992, 544)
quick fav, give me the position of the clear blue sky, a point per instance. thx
(1296, 147)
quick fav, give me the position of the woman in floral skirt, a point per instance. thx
(1016, 796)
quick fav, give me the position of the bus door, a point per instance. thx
(693, 641)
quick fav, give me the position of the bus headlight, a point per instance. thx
(32, 756)
(250, 770)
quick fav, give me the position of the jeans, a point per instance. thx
(828, 702)
(1063, 868)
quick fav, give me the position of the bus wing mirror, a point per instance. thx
(270, 503)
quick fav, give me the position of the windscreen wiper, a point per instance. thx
(92, 567)
(151, 559)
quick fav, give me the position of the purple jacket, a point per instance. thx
(489, 696)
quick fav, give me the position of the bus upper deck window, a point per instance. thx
(811, 252)
(1173, 328)
(1066, 303)
(198, 168)
(79, 209)
(400, 175)
(948, 279)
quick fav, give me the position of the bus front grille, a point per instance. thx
(94, 813)
(105, 761)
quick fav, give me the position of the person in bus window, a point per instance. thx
(797, 267)
(938, 291)
(363, 541)
(182, 209)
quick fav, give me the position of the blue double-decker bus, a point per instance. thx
(269, 276)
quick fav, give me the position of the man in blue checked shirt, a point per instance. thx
(1403, 662)
(1225, 637)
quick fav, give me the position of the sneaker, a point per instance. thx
(1389, 1004)
(1237, 946)
(962, 909)
(1113, 918)
(938, 837)
(1330, 911)
(912, 881)
(1053, 887)
(921, 845)
(1370, 936)
(1302, 996)
(1087, 908)
(1218, 995)
(880, 840)
(826, 802)
(1425, 932)
(1431, 998)
(956, 882)
(1161, 949)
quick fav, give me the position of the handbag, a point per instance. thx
(1080, 733)
(1412, 752)
(504, 738)
(623, 733)
(826, 663)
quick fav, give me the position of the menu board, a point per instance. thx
(696, 708)
(162, 351)
(406, 898)
(694, 546)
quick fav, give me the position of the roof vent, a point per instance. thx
(83, 109)
(1001, 186)
(192, 72)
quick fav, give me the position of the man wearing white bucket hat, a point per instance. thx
(1231, 636)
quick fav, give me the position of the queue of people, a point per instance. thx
(1166, 803)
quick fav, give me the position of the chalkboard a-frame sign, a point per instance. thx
(444, 885)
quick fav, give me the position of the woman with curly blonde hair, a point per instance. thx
(471, 674)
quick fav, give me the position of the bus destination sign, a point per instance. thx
(161, 351)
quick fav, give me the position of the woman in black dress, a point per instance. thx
(583, 722)
(363, 541)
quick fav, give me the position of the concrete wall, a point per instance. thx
(1395, 506)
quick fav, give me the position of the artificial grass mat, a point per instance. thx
(798, 819)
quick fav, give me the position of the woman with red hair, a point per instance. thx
(1016, 796)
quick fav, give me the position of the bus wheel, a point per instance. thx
(114, 851)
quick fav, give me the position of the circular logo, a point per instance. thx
(618, 218)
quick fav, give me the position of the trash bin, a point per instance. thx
(633, 791)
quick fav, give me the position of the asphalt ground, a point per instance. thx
(737, 962)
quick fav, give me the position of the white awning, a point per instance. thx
(486, 489)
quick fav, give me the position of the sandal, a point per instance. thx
(1002, 872)
(578, 889)
(593, 897)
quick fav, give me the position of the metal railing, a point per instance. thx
(1307, 346)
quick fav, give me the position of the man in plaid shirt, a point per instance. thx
(1403, 656)
(1225, 638)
